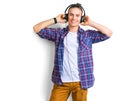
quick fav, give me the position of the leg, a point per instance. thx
(79, 94)
(60, 92)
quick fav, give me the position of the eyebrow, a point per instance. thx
(75, 14)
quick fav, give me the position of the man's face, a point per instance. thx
(74, 16)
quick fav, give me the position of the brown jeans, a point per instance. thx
(62, 92)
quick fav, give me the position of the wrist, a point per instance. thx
(55, 20)
(91, 23)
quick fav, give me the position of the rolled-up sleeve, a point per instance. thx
(96, 36)
(49, 33)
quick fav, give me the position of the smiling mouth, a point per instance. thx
(74, 21)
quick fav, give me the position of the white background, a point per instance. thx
(26, 61)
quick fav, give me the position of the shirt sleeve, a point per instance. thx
(49, 33)
(96, 36)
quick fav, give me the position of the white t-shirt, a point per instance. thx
(70, 63)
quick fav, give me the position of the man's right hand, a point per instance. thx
(60, 18)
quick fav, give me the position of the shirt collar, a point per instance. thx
(66, 30)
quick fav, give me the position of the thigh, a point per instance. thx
(79, 94)
(60, 93)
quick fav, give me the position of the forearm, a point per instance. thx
(43, 24)
(101, 28)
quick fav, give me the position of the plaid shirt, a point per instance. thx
(85, 60)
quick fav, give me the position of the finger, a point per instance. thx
(82, 23)
(63, 15)
(64, 21)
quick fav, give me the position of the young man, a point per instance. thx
(73, 66)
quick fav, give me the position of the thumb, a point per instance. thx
(82, 23)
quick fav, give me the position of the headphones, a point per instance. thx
(77, 5)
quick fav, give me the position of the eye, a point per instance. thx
(77, 15)
(70, 14)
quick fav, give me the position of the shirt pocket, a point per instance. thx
(86, 44)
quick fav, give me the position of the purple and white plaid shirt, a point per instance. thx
(85, 59)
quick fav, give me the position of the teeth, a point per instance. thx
(73, 22)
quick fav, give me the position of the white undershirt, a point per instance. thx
(70, 65)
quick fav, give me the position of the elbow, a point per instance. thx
(110, 33)
(35, 29)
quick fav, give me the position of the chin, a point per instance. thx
(74, 25)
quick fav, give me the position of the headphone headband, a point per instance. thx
(78, 5)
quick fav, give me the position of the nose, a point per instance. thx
(74, 16)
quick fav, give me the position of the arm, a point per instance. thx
(38, 27)
(99, 27)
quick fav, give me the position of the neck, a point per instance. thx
(73, 29)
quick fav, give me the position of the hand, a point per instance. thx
(60, 18)
(86, 22)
